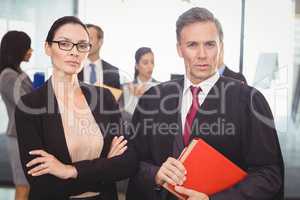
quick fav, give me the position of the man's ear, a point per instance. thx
(221, 55)
(222, 47)
(179, 49)
(101, 42)
(222, 52)
(47, 49)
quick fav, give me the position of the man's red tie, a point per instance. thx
(191, 115)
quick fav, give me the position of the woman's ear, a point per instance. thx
(47, 48)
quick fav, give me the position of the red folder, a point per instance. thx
(208, 171)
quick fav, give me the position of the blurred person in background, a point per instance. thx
(96, 70)
(222, 68)
(132, 91)
(143, 80)
(15, 48)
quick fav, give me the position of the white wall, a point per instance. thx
(130, 24)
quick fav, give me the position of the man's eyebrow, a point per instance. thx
(210, 41)
(192, 41)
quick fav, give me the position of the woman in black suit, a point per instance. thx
(67, 130)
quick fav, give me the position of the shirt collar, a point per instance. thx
(205, 85)
(139, 80)
(97, 62)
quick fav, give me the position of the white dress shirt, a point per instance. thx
(130, 101)
(98, 69)
(148, 83)
(187, 97)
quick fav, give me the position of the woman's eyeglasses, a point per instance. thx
(68, 46)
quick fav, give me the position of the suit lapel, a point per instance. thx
(91, 96)
(209, 107)
(226, 71)
(53, 121)
(171, 144)
(179, 145)
(106, 73)
(53, 125)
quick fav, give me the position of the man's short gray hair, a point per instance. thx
(194, 15)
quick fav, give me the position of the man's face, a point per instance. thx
(94, 40)
(199, 46)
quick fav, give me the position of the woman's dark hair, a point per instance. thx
(60, 22)
(138, 55)
(14, 46)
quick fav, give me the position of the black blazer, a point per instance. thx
(243, 137)
(111, 76)
(39, 126)
(238, 76)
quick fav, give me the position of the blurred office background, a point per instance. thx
(267, 51)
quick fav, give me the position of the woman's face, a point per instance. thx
(69, 62)
(146, 65)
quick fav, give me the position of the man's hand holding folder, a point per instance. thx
(173, 172)
(199, 172)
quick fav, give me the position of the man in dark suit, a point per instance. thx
(222, 68)
(232, 117)
(98, 71)
(225, 71)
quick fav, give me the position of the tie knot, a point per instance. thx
(195, 90)
(92, 65)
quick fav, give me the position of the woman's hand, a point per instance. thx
(137, 89)
(140, 89)
(48, 164)
(118, 147)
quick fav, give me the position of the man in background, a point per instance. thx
(98, 71)
(222, 68)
